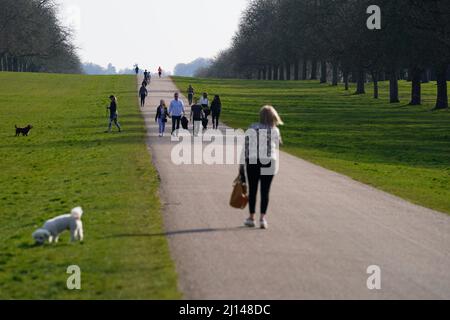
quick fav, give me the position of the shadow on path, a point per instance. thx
(180, 232)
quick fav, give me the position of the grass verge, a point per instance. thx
(67, 161)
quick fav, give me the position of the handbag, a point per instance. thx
(239, 196)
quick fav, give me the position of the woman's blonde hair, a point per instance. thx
(270, 117)
(162, 102)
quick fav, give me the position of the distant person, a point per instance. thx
(160, 72)
(145, 75)
(190, 93)
(144, 83)
(143, 92)
(216, 109)
(176, 111)
(196, 116)
(136, 69)
(204, 102)
(161, 117)
(262, 169)
(113, 114)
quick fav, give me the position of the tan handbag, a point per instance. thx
(239, 197)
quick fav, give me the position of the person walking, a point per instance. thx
(143, 94)
(190, 93)
(261, 167)
(176, 111)
(196, 115)
(204, 102)
(145, 75)
(136, 69)
(216, 109)
(161, 117)
(113, 114)
(160, 72)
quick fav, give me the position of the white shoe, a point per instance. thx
(264, 224)
(249, 223)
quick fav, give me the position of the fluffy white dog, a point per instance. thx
(54, 227)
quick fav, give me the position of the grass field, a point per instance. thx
(398, 148)
(67, 161)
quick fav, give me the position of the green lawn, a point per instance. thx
(398, 148)
(67, 161)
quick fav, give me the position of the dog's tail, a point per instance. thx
(77, 213)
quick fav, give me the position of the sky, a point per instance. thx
(151, 33)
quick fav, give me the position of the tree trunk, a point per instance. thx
(426, 76)
(416, 83)
(275, 72)
(335, 79)
(314, 70)
(323, 72)
(305, 69)
(375, 85)
(282, 72)
(296, 70)
(269, 72)
(442, 95)
(346, 79)
(393, 87)
(360, 87)
(288, 71)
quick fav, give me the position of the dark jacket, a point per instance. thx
(143, 91)
(113, 109)
(216, 107)
(161, 114)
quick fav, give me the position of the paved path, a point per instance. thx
(325, 230)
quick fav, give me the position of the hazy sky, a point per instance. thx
(151, 32)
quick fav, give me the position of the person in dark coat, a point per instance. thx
(216, 109)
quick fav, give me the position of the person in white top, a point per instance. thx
(261, 161)
(176, 111)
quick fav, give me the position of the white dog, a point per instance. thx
(54, 227)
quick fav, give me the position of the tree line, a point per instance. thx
(329, 41)
(33, 40)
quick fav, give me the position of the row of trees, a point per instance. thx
(329, 40)
(33, 40)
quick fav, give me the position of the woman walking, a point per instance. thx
(261, 167)
(143, 93)
(161, 117)
(113, 114)
(190, 92)
(216, 109)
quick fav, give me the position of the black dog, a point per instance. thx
(23, 131)
(185, 123)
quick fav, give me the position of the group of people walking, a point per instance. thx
(200, 110)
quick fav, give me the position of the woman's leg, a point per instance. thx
(217, 120)
(253, 174)
(160, 122)
(266, 182)
(117, 124)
